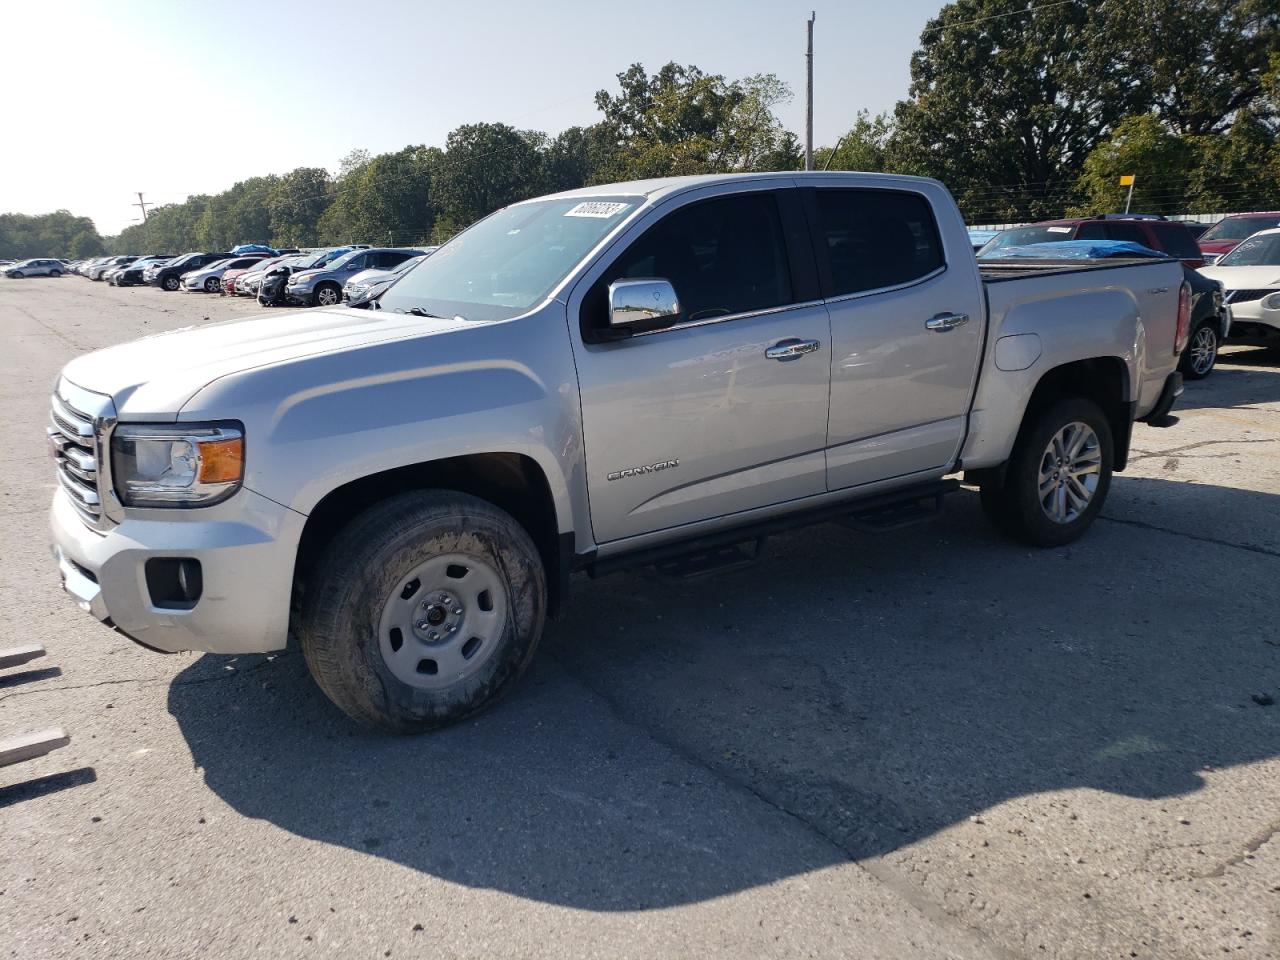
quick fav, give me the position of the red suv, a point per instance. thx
(1155, 233)
(1223, 236)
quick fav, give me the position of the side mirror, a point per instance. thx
(639, 305)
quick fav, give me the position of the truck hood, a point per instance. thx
(154, 377)
(1244, 278)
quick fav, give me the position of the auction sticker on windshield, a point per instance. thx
(601, 209)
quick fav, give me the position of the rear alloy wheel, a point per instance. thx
(326, 295)
(1201, 353)
(1057, 478)
(212, 285)
(171, 284)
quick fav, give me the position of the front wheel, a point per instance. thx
(1202, 352)
(55, 273)
(1058, 476)
(424, 610)
(171, 283)
(327, 295)
(212, 285)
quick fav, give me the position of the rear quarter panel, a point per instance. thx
(1038, 323)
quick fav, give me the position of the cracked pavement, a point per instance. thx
(928, 743)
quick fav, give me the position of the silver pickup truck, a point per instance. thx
(614, 376)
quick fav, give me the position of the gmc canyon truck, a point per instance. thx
(608, 377)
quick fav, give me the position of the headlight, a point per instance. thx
(179, 464)
(1272, 301)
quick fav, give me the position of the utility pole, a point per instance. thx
(145, 229)
(808, 105)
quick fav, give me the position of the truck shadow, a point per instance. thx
(844, 698)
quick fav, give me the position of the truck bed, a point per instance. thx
(996, 270)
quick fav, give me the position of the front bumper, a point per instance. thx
(245, 547)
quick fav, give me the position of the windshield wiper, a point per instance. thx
(420, 312)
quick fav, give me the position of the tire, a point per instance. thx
(359, 628)
(326, 295)
(16, 275)
(55, 273)
(171, 283)
(212, 285)
(1013, 502)
(1201, 355)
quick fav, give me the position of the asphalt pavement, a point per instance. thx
(928, 743)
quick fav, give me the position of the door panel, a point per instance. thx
(698, 420)
(900, 385)
(739, 430)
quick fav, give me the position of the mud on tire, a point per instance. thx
(410, 548)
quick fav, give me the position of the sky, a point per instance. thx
(174, 97)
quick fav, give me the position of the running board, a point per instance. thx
(704, 563)
(864, 507)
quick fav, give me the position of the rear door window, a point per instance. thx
(1127, 231)
(1177, 241)
(877, 238)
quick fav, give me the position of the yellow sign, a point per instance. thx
(1126, 180)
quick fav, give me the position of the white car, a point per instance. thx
(369, 283)
(1250, 275)
(209, 278)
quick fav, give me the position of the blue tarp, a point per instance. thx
(253, 248)
(1075, 250)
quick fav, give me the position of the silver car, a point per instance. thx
(35, 268)
(323, 287)
(366, 285)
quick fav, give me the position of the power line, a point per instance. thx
(999, 16)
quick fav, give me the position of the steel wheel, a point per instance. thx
(1203, 350)
(443, 621)
(1070, 468)
(327, 296)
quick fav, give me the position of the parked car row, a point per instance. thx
(308, 278)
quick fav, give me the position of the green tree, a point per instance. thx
(1004, 109)
(485, 166)
(683, 121)
(1161, 162)
(43, 235)
(865, 147)
(575, 158)
(1197, 64)
(295, 205)
(86, 244)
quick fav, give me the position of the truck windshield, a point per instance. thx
(1023, 236)
(510, 260)
(1259, 251)
(1237, 228)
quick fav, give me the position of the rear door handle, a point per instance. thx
(946, 321)
(792, 349)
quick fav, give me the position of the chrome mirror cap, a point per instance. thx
(642, 304)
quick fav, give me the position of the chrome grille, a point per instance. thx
(74, 442)
(1246, 296)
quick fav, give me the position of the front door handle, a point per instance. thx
(946, 321)
(792, 349)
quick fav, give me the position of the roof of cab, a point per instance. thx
(665, 186)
